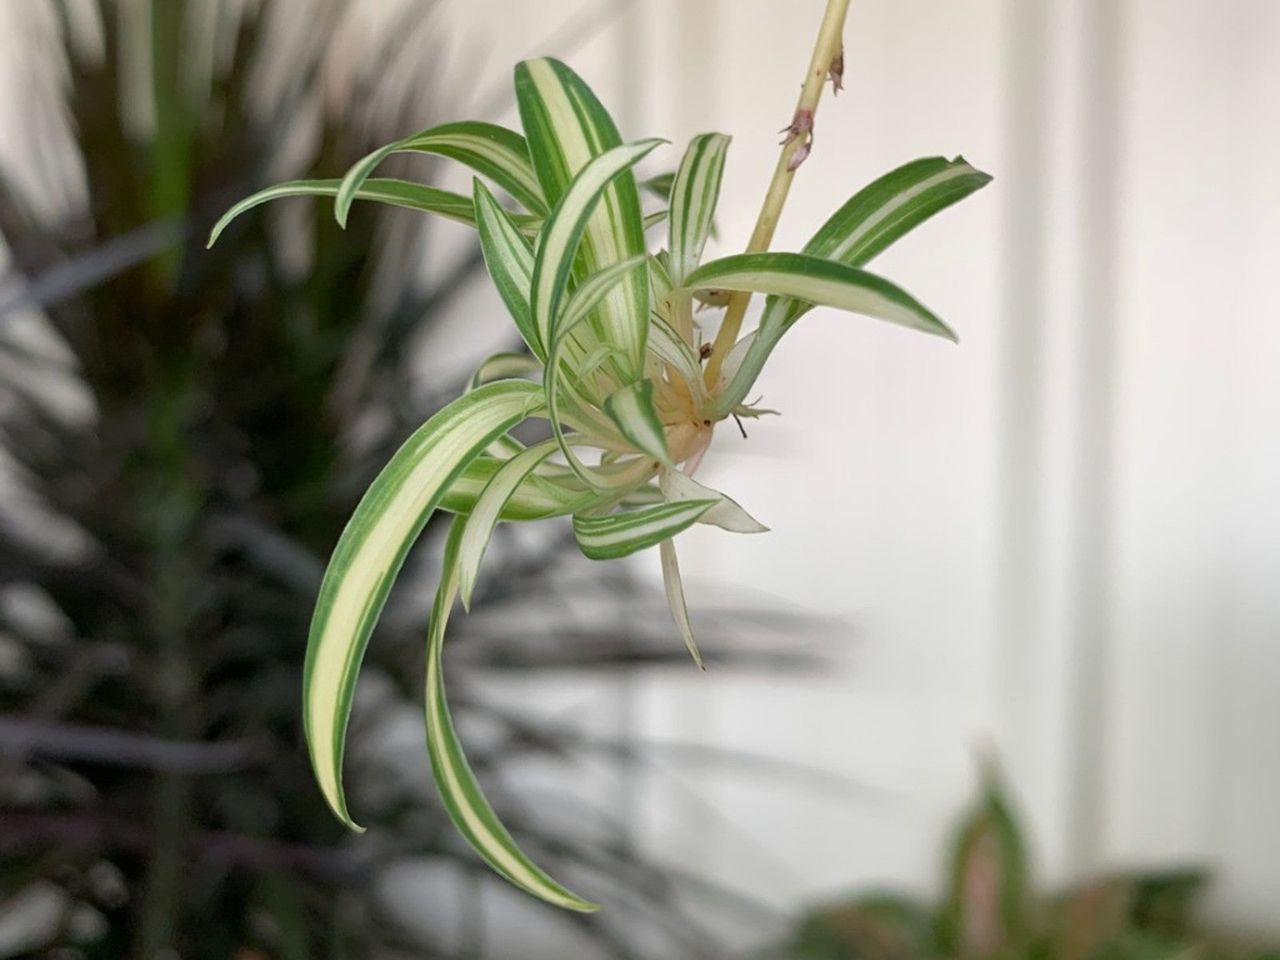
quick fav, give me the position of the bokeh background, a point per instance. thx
(1056, 546)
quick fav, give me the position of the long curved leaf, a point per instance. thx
(674, 587)
(400, 193)
(371, 551)
(492, 151)
(620, 534)
(567, 127)
(465, 802)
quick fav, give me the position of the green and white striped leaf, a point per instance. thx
(567, 371)
(669, 347)
(693, 202)
(536, 499)
(488, 510)
(567, 127)
(490, 150)
(558, 246)
(592, 291)
(621, 534)
(820, 282)
(726, 514)
(465, 802)
(893, 205)
(509, 259)
(371, 551)
(674, 587)
(399, 193)
(632, 411)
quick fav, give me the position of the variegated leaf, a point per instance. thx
(567, 128)
(492, 151)
(465, 802)
(619, 534)
(371, 551)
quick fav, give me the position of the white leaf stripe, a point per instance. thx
(371, 551)
(466, 804)
(488, 510)
(492, 151)
(891, 206)
(566, 127)
(818, 281)
(693, 201)
(400, 193)
(558, 242)
(620, 534)
(509, 259)
(674, 587)
(631, 409)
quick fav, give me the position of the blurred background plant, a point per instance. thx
(992, 909)
(185, 433)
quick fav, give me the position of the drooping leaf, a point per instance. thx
(400, 193)
(371, 551)
(693, 202)
(488, 511)
(465, 802)
(490, 150)
(619, 534)
(567, 127)
(674, 587)
(632, 411)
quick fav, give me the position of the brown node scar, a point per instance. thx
(835, 72)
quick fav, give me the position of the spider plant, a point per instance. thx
(613, 365)
(163, 536)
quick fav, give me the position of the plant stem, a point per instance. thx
(825, 52)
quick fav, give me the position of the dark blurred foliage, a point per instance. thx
(992, 911)
(184, 447)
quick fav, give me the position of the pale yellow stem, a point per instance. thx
(825, 52)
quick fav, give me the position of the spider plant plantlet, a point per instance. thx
(614, 365)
